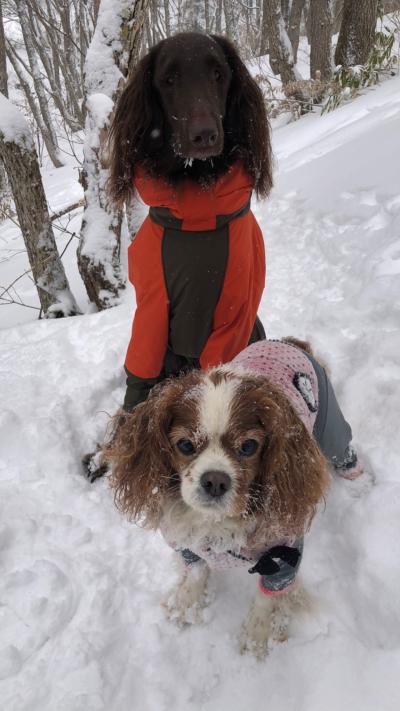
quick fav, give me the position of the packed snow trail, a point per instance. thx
(80, 588)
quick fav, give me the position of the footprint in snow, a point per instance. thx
(36, 603)
(363, 197)
(393, 204)
(368, 197)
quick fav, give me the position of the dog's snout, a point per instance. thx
(215, 483)
(203, 137)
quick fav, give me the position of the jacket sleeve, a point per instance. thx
(236, 311)
(137, 390)
(148, 344)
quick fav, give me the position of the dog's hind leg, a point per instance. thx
(184, 605)
(93, 465)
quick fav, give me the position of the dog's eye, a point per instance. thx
(248, 447)
(186, 446)
(217, 74)
(169, 80)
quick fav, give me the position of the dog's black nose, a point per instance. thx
(204, 138)
(215, 484)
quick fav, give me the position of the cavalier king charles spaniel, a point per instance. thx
(230, 465)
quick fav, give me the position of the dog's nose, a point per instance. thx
(203, 138)
(215, 484)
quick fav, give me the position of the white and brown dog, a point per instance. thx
(230, 464)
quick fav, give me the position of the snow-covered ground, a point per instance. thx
(81, 628)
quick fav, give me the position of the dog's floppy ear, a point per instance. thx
(293, 472)
(246, 122)
(137, 114)
(141, 457)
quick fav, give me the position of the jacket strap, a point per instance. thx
(164, 217)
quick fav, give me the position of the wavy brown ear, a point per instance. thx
(246, 122)
(136, 113)
(293, 471)
(141, 457)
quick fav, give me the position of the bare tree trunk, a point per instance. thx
(149, 39)
(60, 40)
(48, 131)
(69, 49)
(4, 189)
(51, 65)
(218, 17)
(167, 18)
(231, 28)
(99, 247)
(69, 65)
(390, 6)
(207, 15)
(294, 25)
(197, 15)
(337, 15)
(153, 21)
(280, 50)
(307, 19)
(133, 39)
(357, 32)
(264, 33)
(84, 39)
(3, 60)
(18, 153)
(25, 84)
(321, 39)
(285, 9)
(96, 8)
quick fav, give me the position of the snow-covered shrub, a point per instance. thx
(306, 93)
(347, 81)
(281, 100)
(294, 99)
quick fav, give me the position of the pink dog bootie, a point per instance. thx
(350, 467)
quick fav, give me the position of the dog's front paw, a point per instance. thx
(269, 619)
(257, 628)
(176, 611)
(185, 605)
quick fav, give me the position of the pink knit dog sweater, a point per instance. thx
(290, 369)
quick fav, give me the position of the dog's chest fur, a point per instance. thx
(225, 543)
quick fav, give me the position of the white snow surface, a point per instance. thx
(80, 588)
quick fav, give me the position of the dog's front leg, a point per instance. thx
(257, 627)
(269, 618)
(184, 605)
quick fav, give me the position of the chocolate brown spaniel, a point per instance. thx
(191, 109)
